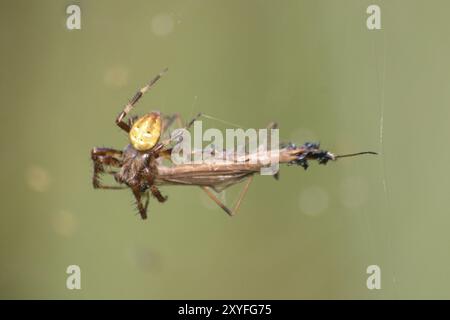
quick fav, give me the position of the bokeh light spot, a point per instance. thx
(162, 24)
(37, 178)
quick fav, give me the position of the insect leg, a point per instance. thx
(217, 200)
(129, 106)
(242, 195)
(238, 202)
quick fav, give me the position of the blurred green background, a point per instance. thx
(313, 66)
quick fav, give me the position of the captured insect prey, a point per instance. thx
(141, 166)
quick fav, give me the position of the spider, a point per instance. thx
(136, 164)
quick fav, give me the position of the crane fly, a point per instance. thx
(141, 167)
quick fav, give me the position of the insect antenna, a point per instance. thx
(354, 154)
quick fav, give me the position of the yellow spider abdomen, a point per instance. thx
(145, 132)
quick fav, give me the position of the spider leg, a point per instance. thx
(272, 125)
(157, 194)
(163, 145)
(129, 106)
(98, 170)
(105, 157)
(106, 152)
(169, 120)
(141, 207)
(238, 202)
(190, 123)
(147, 199)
